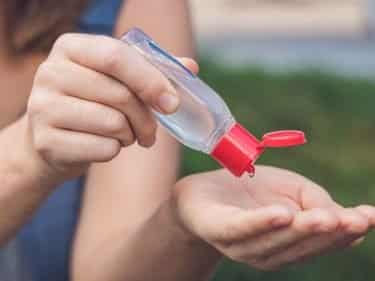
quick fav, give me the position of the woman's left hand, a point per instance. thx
(275, 219)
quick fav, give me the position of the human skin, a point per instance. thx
(71, 122)
(129, 211)
(276, 219)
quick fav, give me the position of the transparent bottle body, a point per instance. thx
(202, 117)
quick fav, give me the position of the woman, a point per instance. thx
(80, 105)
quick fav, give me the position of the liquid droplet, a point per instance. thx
(251, 175)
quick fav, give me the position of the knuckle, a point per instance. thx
(103, 39)
(43, 144)
(154, 88)
(116, 123)
(112, 56)
(45, 73)
(37, 104)
(122, 97)
(129, 139)
(63, 40)
(110, 150)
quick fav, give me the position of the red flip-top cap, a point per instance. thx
(239, 149)
(283, 139)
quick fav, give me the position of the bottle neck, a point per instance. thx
(218, 134)
(237, 150)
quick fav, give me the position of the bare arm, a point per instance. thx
(24, 180)
(124, 233)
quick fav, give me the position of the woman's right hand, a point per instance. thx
(91, 97)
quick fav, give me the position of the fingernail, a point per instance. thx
(168, 103)
(147, 143)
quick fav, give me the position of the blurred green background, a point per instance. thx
(338, 116)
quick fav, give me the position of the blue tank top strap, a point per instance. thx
(100, 17)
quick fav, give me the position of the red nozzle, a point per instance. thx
(239, 149)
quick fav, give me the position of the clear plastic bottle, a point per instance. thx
(203, 121)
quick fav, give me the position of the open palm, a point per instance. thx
(275, 219)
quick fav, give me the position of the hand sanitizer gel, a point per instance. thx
(203, 121)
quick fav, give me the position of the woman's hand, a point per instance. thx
(93, 96)
(275, 219)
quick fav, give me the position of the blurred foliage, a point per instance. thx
(338, 116)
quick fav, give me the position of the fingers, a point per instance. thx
(76, 147)
(312, 232)
(108, 71)
(88, 117)
(368, 212)
(279, 184)
(353, 221)
(306, 224)
(237, 225)
(89, 85)
(117, 59)
(352, 226)
(312, 247)
(100, 90)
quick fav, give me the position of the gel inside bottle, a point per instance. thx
(203, 121)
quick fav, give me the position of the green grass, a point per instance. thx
(338, 116)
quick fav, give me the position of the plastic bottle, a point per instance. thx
(203, 121)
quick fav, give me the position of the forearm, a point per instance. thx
(121, 198)
(171, 253)
(161, 250)
(24, 182)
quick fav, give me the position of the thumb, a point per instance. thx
(314, 196)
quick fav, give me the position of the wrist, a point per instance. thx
(201, 256)
(170, 214)
(24, 166)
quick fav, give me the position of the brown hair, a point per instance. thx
(33, 25)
